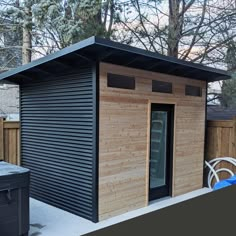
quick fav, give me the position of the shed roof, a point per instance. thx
(217, 112)
(96, 49)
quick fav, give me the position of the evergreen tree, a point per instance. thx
(49, 25)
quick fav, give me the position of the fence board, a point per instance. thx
(221, 140)
(1, 140)
(10, 141)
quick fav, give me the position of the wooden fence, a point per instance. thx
(221, 142)
(10, 141)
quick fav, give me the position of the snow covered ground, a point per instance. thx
(46, 220)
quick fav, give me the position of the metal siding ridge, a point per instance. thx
(58, 141)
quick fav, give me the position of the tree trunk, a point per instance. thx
(174, 28)
(27, 37)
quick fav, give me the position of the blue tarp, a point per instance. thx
(224, 183)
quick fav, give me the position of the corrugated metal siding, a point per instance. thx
(57, 140)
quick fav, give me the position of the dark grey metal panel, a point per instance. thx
(58, 140)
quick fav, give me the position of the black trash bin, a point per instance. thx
(14, 200)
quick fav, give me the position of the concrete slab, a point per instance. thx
(46, 220)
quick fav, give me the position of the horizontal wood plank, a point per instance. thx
(10, 141)
(221, 142)
(11, 124)
(124, 139)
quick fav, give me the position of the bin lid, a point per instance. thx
(7, 169)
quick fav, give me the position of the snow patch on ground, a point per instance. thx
(46, 220)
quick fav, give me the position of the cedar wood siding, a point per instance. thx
(124, 139)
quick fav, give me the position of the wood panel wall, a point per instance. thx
(10, 141)
(221, 142)
(124, 139)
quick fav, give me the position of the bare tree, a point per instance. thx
(194, 30)
(27, 33)
(201, 31)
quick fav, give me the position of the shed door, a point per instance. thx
(161, 151)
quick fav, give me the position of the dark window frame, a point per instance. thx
(121, 81)
(194, 91)
(162, 87)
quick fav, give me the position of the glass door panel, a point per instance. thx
(161, 136)
(158, 149)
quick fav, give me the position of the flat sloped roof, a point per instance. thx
(96, 49)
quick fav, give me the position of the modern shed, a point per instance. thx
(106, 128)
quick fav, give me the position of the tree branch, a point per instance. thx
(196, 34)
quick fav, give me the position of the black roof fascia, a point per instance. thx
(48, 58)
(102, 49)
(154, 55)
